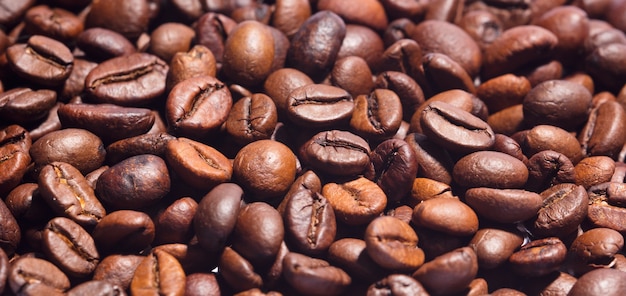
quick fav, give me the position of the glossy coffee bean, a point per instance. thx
(433, 162)
(117, 269)
(504, 205)
(131, 23)
(202, 284)
(594, 170)
(377, 115)
(238, 272)
(356, 202)
(239, 64)
(490, 169)
(197, 106)
(449, 273)
(198, 61)
(56, 23)
(350, 254)
(70, 246)
(547, 168)
(150, 143)
(68, 194)
(175, 223)
(29, 273)
(545, 137)
(10, 233)
(319, 106)
(216, 216)
(124, 230)
(98, 288)
(448, 215)
(597, 246)
(24, 105)
(494, 246)
(539, 257)
(260, 224)
(600, 282)
(102, 44)
(336, 152)
(409, 92)
(397, 284)
(252, 118)
(394, 168)
(602, 134)
(574, 101)
(314, 276)
(564, 208)
(392, 244)
(158, 273)
(78, 147)
(132, 80)
(42, 60)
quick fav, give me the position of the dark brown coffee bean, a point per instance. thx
(70, 247)
(13, 11)
(503, 91)
(490, 169)
(494, 246)
(56, 23)
(602, 281)
(68, 194)
(456, 129)
(504, 205)
(265, 169)
(135, 182)
(547, 168)
(96, 288)
(350, 255)
(281, 83)
(394, 167)
(197, 106)
(117, 269)
(433, 162)
(449, 273)
(238, 272)
(132, 80)
(371, 14)
(574, 101)
(101, 44)
(129, 18)
(409, 92)
(393, 244)
(556, 283)
(249, 53)
(564, 208)
(198, 61)
(425, 189)
(397, 284)
(314, 276)
(597, 246)
(36, 275)
(435, 36)
(539, 257)
(110, 122)
(309, 220)
(199, 165)
(24, 105)
(505, 55)
(155, 143)
(158, 273)
(216, 215)
(289, 15)
(398, 29)
(319, 106)
(15, 143)
(260, 225)
(169, 38)
(546, 137)
(124, 230)
(377, 115)
(405, 56)
(10, 233)
(355, 202)
(212, 29)
(483, 26)
(603, 133)
(594, 170)
(252, 118)
(191, 256)
(606, 65)
(42, 60)
(443, 73)
(606, 201)
(26, 204)
(175, 223)
(314, 47)
(198, 284)
(448, 215)
(352, 74)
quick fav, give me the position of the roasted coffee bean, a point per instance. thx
(252, 118)
(594, 170)
(504, 205)
(265, 169)
(175, 223)
(37, 275)
(129, 18)
(371, 13)
(158, 273)
(606, 205)
(197, 106)
(24, 105)
(110, 122)
(350, 254)
(134, 80)
(68, 194)
(309, 220)
(448, 215)
(117, 269)
(397, 284)
(443, 73)
(490, 169)
(314, 276)
(356, 202)
(602, 134)
(124, 230)
(56, 23)
(10, 234)
(377, 115)
(494, 246)
(564, 208)
(556, 283)
(319, 106)
(546, 137)
(483, 26)
(41, 60)
(602, 281)
(216, 215)
(573, 99)
(597, 246)
(101, 44)
(393, 244)
(405, 56)
(606, 65)
(449, 273)
(26, 204)
(78, 147)
(455, 129)
(314, 47)
(424, 189)
(15, 143)
(260, 224)
(135, 182)
(239, 63)
(281, 83)
(336, 152)
(238, 272)
(539, 257)
(409, 92)
(394, 167)
(352, 74)
(198, 284)
(96, 288)
(70, 247)
(169, 38)
(199, 165)
(198, 61)
(503, 91)
(155, 144)
(433, 162)
(547, 168)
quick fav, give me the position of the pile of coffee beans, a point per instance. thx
(312, 147)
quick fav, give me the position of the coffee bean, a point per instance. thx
(490, 169)
(261, 225)
(117, 269)
(602, 134)
(350, 254)
(393, 244)
(124, 230)
(449, 273)
(540, 101)
(564, 208)
(504, 205)
(319, 106)
(356, 202)
(175, 223)
(102, 44)
(494, 246)
(34, 274)
(448, 215)
(394, 168)
(198, 284)
(70, 247)
(24, 105)
(377, 115)
(539, 257)
(252, 118)
(547, 168)
(602, 281)
(42, 60)
(98, 288)
(239, 64)
(336, 152)
(158, 273)
(597, 246)
(314, 276)
(216, 215)
(131, 23)
(397, 284)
